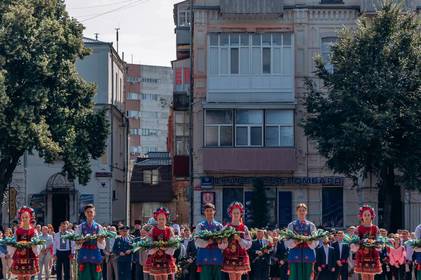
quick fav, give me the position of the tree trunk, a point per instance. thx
(392, 204)
(7, 167)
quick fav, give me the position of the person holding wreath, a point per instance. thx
(160, 262)
(367, 261)
(236, 260)
(301, 255)
(209, 252)
(89, 257)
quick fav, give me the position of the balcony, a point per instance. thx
(183, 36)
(181, 101)
(249, 160)
(251, 7)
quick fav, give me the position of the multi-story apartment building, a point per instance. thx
(250, 60)
(149, 95)
(54, 197)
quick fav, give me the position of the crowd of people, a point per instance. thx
(257, 254)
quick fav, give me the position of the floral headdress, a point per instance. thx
(367, 208)
(235, 205)
(29, 210)
(161, 210)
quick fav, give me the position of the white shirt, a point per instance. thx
(326, 248)
(69, 246)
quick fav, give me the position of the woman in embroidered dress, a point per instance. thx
(160, 262)
(236, 259)
(25, 261)
(367, 261)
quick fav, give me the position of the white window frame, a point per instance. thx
(249, 126)
(325, 53)
(282, 46)
(279, 126)
(218, 126)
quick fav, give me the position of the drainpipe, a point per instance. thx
(191, 178)
(112, 132)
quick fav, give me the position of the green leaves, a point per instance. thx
(366, 115)
(44, 104)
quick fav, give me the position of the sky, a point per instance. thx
(146, 33)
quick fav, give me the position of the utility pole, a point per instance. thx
(116, 36)
(191, 100)
(96, 36)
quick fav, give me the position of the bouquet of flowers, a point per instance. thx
(103, 233)
(415, 243)
(288, 234)
(11, 241)
(368, 242)
(227, 232)
(147, 244)
(266, 248)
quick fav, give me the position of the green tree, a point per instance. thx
(258, 205)
(44, 105)
(366, 116)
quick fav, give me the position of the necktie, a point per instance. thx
(62, 243)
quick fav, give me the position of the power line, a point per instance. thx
(101, 5)
(129, 5)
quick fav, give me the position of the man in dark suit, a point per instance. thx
(325, 261)
(191, 252)
(342, 252)
(260, 257)
(282, 259)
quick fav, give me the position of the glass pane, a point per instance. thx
(249, 117)
(256, 136)
(266, 38)
(287, 39)
(276, 60)
(277, 39)
(223, 37)
(213, 38)
(244, 37)
(256, 39)
(266, 60)
(213, 60)
(234, 39)
(212, 136)
(234, 61)
(256, 64)
(287, 136)
(280, 117)
(241, 137)
(287, 61)
(224, 60)
(219, 117)
(272, 136)
(244, 60)
(226, 135)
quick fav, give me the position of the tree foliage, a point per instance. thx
(45, 106)
(366, 115)
(258, 206)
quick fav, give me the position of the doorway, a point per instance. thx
(60, 209)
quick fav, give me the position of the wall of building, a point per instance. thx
(311, 26)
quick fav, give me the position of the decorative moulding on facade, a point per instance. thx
(247, 7)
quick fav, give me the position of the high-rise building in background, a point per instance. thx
(149, 96)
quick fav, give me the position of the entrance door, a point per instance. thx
(284, 208)
(60, 209)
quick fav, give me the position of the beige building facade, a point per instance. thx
(250, 59)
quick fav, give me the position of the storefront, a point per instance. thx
(324, 195)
